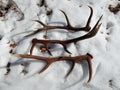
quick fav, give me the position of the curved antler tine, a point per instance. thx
(39, 22)
(68, 23)
(98, 22)
(33, 45)
(65, 48)
(89, 19)
(31, 49)
(90, 67)
(90, 71)
(71, 69)
(95, 29)
(46, 66)
(99, 26)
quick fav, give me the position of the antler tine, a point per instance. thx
(87, 28)
(90, 70)
(90, 67)
(39, 22)
(65, 48)
(71, 69)
(68, 23)
(44, 68)
(34, 41)
(90, 34)
(95, 29)
(31, 50)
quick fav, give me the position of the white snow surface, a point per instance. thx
(104, 47)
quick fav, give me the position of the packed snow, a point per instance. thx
(104, 46)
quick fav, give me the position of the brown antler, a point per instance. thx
(65, 42)
(75, 59)
(67, 27)
(49, 61)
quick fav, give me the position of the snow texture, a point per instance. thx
(104, 46)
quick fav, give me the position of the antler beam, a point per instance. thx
(67, 27)
(49, 61)
(90, 34)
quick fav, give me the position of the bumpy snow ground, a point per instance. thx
(105, 47)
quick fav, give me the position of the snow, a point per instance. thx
(105, 46)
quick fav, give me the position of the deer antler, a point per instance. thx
(65, 42)
(49, 61)
(67, 27)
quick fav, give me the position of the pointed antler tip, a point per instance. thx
(101, 16)
(60, 10)
(36, 20)
(89, 55)
(88, 82)
(100, 24)
(89, 6)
